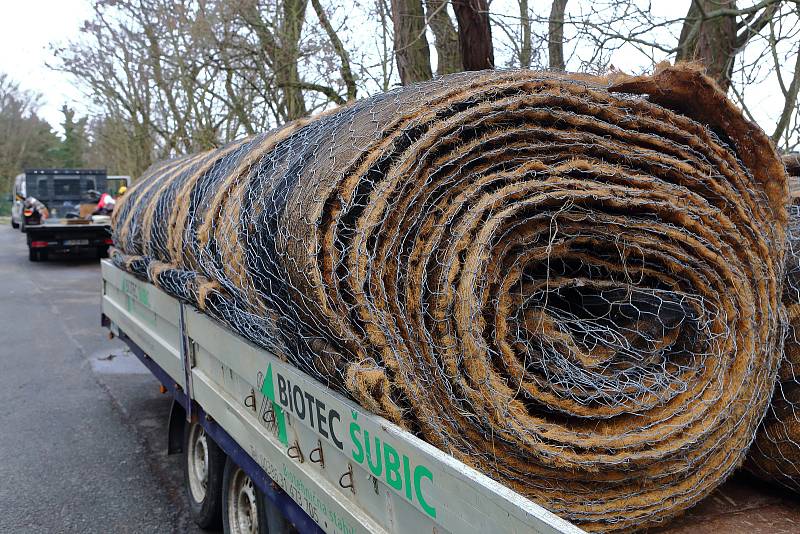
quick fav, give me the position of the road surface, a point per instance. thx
(81, 420)
(82, 442)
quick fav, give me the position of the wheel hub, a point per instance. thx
(242, 507)
(197, 456)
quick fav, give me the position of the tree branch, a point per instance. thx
(338, 47)
(330, 92)
(789, 104)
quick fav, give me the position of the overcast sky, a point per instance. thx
(27, 27)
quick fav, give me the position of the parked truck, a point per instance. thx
(57, 211)
(269, 449)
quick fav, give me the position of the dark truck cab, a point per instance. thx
(58, 212)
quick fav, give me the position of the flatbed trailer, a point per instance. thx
(320, 462)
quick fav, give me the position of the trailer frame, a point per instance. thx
(321, 476)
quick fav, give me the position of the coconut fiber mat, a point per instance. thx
(571, 283)
(775, 454)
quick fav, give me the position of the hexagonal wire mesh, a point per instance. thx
(775, 454)
(570, 283)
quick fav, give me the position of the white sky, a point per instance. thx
(27, 28)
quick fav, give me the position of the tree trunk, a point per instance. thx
(555, 35)
(445, 37)
(287, 75)
(474, 34)
(525, 49)
(181, 135)
(710, 38)
(410, 42)
(283, 51)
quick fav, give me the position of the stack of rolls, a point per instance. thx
(570, 283)
(775, 454)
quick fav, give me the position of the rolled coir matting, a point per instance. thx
(570, 283)
(775, 454)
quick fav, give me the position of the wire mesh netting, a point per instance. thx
(775, 454)
(570, 283)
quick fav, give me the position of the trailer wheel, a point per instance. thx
(243, 510)
(203, 464)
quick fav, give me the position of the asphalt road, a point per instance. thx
(82, 446)
(82, 422)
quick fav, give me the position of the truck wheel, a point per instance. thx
(37, 255)
(14, 225)
(102, 252)
(203, 464)
(243, 511)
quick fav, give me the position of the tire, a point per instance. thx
(22, 226)
(102, 252)
(243, 510)
(14, 225)
(203, 467)
(37, 255)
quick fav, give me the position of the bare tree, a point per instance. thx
(410, 43)
(106, 60)
(375, 61)
(111, 147)
(474, 34)
(386, 63)
(26, 140)
(445, 37)
(526, 46)
(710, 38)
(344, 57)
(555, 35)
(519, 45)
(278, 36)
(172, 76)
(789, 105)
(742, 47)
